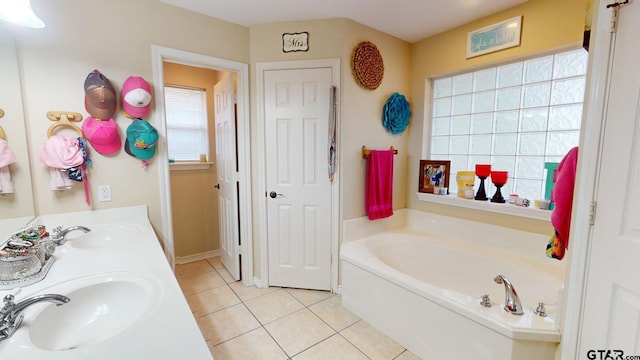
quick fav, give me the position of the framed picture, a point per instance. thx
(502, 35)
(433, 174)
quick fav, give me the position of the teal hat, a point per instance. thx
(142, 140)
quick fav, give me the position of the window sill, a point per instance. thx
(506, 208)
(189, 165)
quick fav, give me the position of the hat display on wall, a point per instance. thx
(102, 135)
(136, 97)
(100, 98)
(142, 140)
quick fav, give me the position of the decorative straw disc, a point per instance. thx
(367, 65)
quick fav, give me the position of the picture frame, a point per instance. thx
(432, 174)
(492, 38)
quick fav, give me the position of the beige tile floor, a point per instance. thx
(240, 322)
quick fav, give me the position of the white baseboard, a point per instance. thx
(196, 257)
(258, 283)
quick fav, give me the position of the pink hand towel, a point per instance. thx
(379, 187)
(562, 195)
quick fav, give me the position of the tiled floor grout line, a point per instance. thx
(336, 332)
(269, 333)
(307, 307)
(349, 341)
(252, 314)
(259, 322)
(354, 345)
(263, 325)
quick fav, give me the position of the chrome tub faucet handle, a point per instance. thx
(512, 301)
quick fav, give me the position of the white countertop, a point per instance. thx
(169, 331)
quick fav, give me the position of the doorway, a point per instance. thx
(191, 142)
(299, 212)
(159, 56)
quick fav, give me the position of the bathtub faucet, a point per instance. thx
(511, 300)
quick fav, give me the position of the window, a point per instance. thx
(515, 117)
(187, 133)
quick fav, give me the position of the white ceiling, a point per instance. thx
(410, 20)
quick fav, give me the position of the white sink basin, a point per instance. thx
(104, 235)
(101, 307)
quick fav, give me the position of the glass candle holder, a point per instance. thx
(482, 172)
(499, 178)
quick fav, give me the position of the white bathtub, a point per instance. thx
(422, 289)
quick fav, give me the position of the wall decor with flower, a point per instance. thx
(396, 113)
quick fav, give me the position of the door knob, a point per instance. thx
(217, 186)
(274, 194)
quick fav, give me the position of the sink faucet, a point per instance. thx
(511, 301)
(11, 314)
(57, 235)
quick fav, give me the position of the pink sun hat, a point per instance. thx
(136, 97)
(102, 135)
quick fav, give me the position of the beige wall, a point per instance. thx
(20, 203)
(361, 120)
(114, 37)
(547, 25)
(194, 200)
(194, 204)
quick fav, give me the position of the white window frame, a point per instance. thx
(432, 112)
(196, 163)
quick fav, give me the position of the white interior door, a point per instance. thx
(611, 315)
(226, 166)
(299, 202)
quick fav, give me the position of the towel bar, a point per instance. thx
(64, 119)
(366, 152)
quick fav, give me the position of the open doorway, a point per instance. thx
(190, 118)
(162, 56)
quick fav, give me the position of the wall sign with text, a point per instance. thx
(502, 35)
(292, 42)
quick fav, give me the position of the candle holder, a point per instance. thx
(499, 178)
(482, 172)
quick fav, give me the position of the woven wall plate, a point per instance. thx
(367, 65)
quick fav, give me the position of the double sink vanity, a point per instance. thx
(124, 301)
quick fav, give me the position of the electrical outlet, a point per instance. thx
(104, 192)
